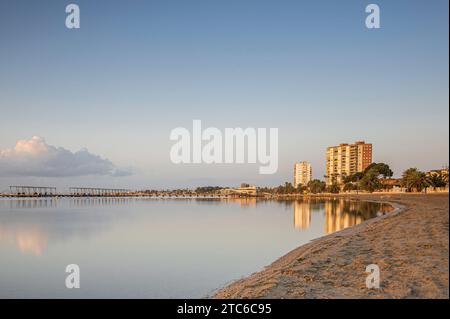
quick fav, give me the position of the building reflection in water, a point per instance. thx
(339, 213)
(302, 214)
(242, 201)
(32, 232)
(28, 239)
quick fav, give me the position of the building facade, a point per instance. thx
(347, 159)
(302, 173)
(245, 189)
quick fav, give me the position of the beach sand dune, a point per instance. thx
(410, 247)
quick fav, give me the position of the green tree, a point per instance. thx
(301, 188)
(208, 189)
(280, 189)
(354, 178)
(370, 182)
(413, 179)
(289, 188)
(436, 181)
(333, 188)
(316, 186)
(381, 169)
(349, 187)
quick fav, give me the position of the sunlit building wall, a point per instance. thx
(347, 159)
(302, 173)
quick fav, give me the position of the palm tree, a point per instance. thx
(349, 186)
(316, 186)
(412, 178)
(333, 188)
(369, 181)
(436, 181)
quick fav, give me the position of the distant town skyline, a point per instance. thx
(107, 95)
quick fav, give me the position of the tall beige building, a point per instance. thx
(347, 159)
(302, 173)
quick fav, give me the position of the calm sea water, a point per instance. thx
(154, 248)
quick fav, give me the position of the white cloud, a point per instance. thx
(35, 157)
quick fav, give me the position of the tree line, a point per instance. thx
(372, 179)
(375, 177)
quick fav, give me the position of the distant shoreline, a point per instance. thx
(217, 196)
(410, 246)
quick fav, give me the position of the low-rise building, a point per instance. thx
(245, 189)
(439, 172)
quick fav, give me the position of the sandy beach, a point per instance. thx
(410, 246)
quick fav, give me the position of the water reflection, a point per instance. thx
(242, 202)
(65, 202)
(302, 214)
(339, 213)
(31, 224)
(28, 203)
(155, 248)
(28, 239)
(56, 220)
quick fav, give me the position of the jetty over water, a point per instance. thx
(92, 191)
(33, 190)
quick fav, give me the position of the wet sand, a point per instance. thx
(410, 246)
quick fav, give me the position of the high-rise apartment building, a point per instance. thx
(347, 159)
(302, 173)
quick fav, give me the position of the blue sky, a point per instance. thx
(136, 70)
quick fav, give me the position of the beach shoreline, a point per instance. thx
(410, 246)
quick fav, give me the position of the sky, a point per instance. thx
(95, 106)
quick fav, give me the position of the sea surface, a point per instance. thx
(155, 248)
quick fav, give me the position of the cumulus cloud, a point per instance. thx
(35, 157)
